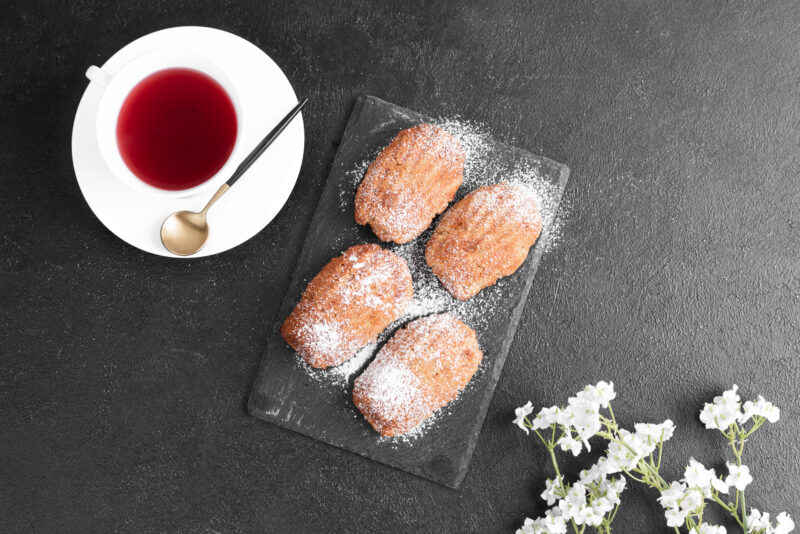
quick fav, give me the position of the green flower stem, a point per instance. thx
(734, 434)
(612, 516)
(550, 447)
(744, 515)
(555, 466)
(733, 510)
(757, 422)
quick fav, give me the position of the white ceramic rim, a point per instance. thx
(119, 86)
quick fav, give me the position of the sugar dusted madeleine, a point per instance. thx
(483, 237)
(348, 303)
(410, 182)
(419, 370)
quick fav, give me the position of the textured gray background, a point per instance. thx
(124, 376)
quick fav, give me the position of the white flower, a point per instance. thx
(656, 433)
(697, 476)
(546, 417)
(551, 523)
(760, 408)
(528, 527)
(739, 476)
(729, 397)
(630, 449)
(723, 411)
(554, 525)
(552, 491)
(576, 494)
(679, 502)
(602, 506)
(720, 485)
(671, 496)
(618, 485)
(588, 515)
(573, 502)
(587, 476)
(675, 517)
(692, 500)
(757, 521)
(705, 528)
(584, 416)
(607, 467)
(521, 413)
(583, 410)
(568, 443)
(601, 394)
(783, 524)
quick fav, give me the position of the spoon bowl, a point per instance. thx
(184, 232)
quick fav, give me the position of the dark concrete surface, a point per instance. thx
(123, 376)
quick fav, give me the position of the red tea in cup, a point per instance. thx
(176, 129)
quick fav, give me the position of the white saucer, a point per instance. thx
(266, 96)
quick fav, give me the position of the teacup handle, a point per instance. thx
(98, 76)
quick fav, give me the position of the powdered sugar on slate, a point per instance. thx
(341, 374)
(481, 168)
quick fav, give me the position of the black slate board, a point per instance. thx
(287, 393)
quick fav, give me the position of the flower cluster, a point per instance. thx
(630, 448)
(759, 523)
(727, 410)
(578, 421)
(586, 502)
(594, 498)
(687, 497)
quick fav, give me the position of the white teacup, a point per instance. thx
(116, 87)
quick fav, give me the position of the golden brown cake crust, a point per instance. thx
(353, 298)
(410, 182)
(419, 370)
(484, 236)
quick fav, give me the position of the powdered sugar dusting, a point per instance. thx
(323, 336)
(482, 167)
(477, 144)
(341, 375)
(404, 385)
(420, 430)
(362, 292)
(411, 181)
(393, 389)
(347, 193)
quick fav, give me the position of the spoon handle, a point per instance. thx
(262, 146)
(221, 191)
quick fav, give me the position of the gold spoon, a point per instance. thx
(185, 232)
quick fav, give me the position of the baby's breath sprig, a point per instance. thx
(593, 500)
